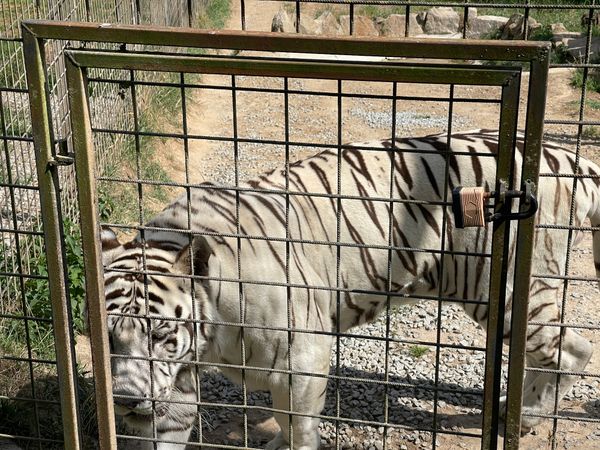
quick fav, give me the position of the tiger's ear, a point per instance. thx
(200, 252)
(111, 247)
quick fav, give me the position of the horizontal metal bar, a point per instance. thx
(21, 317)
(564, 325)
(292, 91)
(273, 42)
(208, 404)
(297, 330)
(566, 278)
(570, 122)
(579, 373)
(250, 237)
(316, 145)
(293, 68)
(27, 360)
(431, 388)
(29, 438)
(187, 444)
(561, 417)
(26, 232)
(450, 4)
(12, 89)
(569, 175)
(23, 275)
(30, 400)
(19, 186)
(550, 226)
(306, 286)
(277, 192)
(17, 138)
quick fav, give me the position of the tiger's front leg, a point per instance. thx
(307, 394)
(308, 397)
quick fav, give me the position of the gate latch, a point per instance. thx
(469, 204)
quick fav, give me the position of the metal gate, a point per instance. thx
(361, 62)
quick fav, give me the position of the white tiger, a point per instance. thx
(267, 307)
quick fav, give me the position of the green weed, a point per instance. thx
(593, 77)
(417, 351)
(215, 14)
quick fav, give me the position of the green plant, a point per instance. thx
(592, 104)
(417, 351)
(215, 14)
(543, 33)
(37, 291)
(559, 54)
(591, 132)
(593, 77)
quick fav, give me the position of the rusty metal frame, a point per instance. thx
(35, 32)
(79, 61)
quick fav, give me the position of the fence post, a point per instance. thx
(33, 50)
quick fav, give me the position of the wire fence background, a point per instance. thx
(20, 224)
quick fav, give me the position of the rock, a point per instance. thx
(558, 28)
(576, 48)
(395, 26)
(515, 27)
(485, 26)
(441, 20)
(329, 25)
(363, 26)
(282, 22)
(472, 13)
(308, 25)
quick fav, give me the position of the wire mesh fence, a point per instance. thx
(296, 187)
(572, 119)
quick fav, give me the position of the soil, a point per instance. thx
(314, 118)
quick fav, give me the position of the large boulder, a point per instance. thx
(329, 25)
(285, 23)
(485, 26)
(515, 27)
(363, 26)
(395, 26)
(577, 47)
(282, 22)
(441, 20)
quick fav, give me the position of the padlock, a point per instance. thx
(468, 204)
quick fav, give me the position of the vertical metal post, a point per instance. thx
(499, 269)
(536, 106)
(92, 253)
(33, 50)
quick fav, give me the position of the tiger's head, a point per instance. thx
(152, 325)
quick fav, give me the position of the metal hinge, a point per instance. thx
(469, 204)
(63, 157)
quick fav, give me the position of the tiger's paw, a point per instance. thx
(278, 443)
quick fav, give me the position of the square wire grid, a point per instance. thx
(536, 53)
(500, 77)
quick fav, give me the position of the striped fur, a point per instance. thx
(364, 265)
